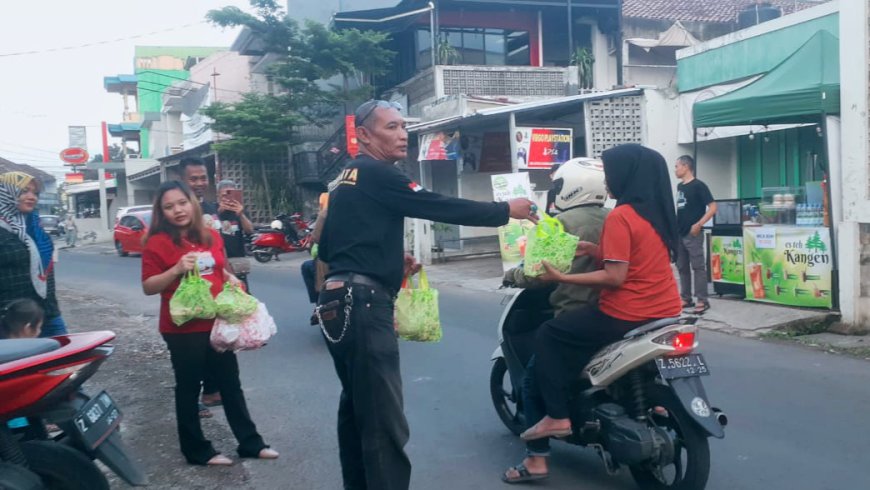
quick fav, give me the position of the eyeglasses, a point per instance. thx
(367, 108)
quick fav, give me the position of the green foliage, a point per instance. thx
(447, 54)
(116, 154)
(584, 60)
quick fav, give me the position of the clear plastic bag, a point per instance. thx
(251, 333)
(549, 241)
(417, 318)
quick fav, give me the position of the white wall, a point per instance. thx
(854, 179)
(478, 187)
(234, 74)
(717, 166)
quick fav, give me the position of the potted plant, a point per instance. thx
(447, 54)
(584, 60)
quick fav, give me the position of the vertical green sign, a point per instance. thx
(726, 259)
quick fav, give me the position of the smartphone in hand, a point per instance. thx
(232, 194)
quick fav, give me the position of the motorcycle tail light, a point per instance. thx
(681, 342)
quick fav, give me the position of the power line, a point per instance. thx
(55, 153)
(183, 80)
(99, 43)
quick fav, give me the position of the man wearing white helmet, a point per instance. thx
(580, 193)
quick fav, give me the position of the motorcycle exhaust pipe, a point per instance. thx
(720, 417)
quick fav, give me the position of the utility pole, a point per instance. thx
(217, 159)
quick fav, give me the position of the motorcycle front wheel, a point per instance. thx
(14, 477)
(262, 255)
(506, 398)
(63, 468)
(690, 467)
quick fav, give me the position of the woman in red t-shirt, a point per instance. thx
(637, 244)
(177, 242)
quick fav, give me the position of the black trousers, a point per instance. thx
(563, 347)
(372, 429)
(192, 356)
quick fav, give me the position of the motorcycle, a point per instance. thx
(280, 237)
(40, 382)
(639, 402)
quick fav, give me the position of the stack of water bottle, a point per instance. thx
(810, 215)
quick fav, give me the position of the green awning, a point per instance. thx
(798, 90)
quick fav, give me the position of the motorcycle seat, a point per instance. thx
(649, 327)
(15, 349)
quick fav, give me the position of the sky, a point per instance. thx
(41, 94)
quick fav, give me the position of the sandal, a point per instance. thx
(532, 434)
(700, 309)
(204, 412)
(212, 400)
(524, 475)
(219, 460)
(265, 453)
(688, 304)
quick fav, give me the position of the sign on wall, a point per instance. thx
(441, 145)
(792, 266)
(540, 148)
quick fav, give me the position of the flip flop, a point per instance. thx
(524, 475)
(204, 412)
(531, 435)
(215, 403)
(700, 310)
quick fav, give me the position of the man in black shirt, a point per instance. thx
(362, 242)
(695, 206)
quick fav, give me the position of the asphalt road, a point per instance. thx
(798, 416)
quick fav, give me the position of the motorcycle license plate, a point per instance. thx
(682, 366)
(97, 419)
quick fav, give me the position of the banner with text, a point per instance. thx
(788, 265)
(540, 148)
(726, 259)
(512, 236)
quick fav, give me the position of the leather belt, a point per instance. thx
(353, 278)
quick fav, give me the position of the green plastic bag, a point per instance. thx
(234, 305)
(192, 299)
(417, 316)
(549, 241)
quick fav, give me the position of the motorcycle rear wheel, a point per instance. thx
(262, 256)
(14, 477)
(63, 468)
(691, 466)
(507, 401)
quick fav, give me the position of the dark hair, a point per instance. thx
(196, 233)
(688, 161)
(190, 162)
(17, 315)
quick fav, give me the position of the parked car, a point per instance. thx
(129, 232)
(51, 224)
(130, 209)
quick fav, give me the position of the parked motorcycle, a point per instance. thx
(282, 236)
(639, 402)
(40, 382)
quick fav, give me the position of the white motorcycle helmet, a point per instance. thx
(277, 225)
(580, 181)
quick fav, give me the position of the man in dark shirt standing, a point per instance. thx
(695, 207)
(362, 242)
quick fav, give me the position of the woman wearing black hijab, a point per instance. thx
(635, 250)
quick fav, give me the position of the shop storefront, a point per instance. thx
(775, 243)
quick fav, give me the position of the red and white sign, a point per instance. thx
(75, 156)
(350, 131)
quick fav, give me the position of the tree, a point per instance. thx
(815, 242)
(116, 154)
(263, 126)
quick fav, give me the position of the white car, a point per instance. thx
(130, 209)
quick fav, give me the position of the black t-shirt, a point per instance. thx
(364, 233)
(692, 201)
(228, 224)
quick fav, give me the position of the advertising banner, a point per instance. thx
(352, 144)
(512, 236)
(726, 259)
(439, 146)
(540, 148)
(788, 265)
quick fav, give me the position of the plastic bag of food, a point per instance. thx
(549, 241)
(252, 332)
(233, 304)
(192, 299)
(417, 317)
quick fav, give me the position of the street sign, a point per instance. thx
(74, 156)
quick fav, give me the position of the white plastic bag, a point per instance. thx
(251, 333)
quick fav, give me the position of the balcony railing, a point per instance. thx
(488, 81)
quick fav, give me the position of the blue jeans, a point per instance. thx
(534, 410)
(53, 326)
